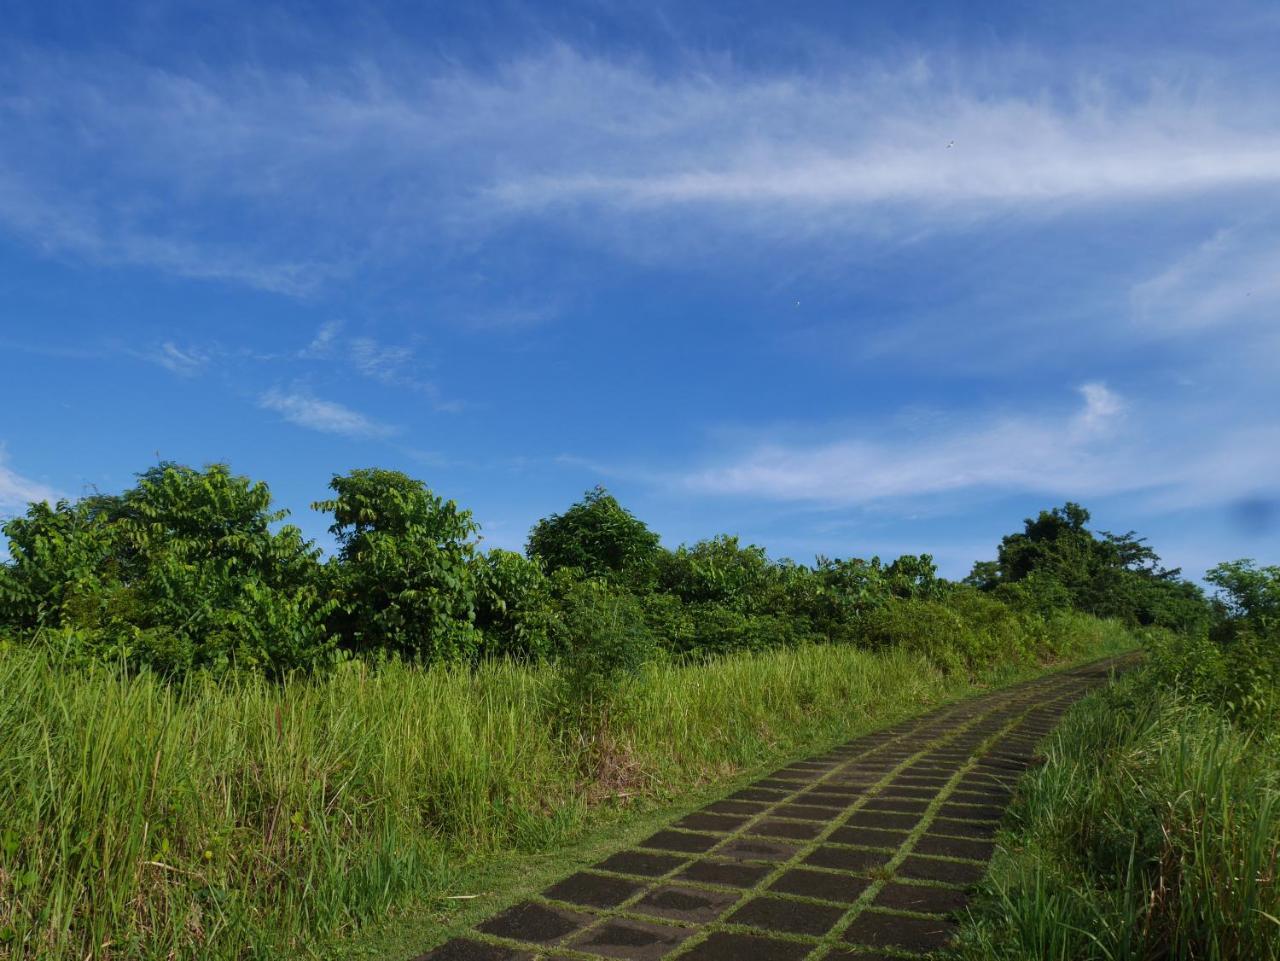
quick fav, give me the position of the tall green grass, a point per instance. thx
(241, 818)
(1152, 832)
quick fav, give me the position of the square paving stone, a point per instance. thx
(767, 795)
(465, 949)
(797, 830)
(685, 904)
(702, 821)
(747, 808)
(724, 946)
(537, 923)
(948, 872)
(822, 885)
(631, 940)
(964, 829)
(848, 954)
(972, 812)
(779, 784)
(757, 849)
(955, 847)
(847, 859)
(595, 890)
(884, 820)
(641, 863)
(828, 801)
(867, 837)
(787, 917)
(681, 841)
(804, 812)
(899, 931)
(994, 797)
(896, 805)
(921, 898)
(733, 874)
(908, 791)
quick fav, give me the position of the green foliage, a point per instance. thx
(404, 579)
(1247, 591)
(604, 641)
(598, 536)
(514, 612)
(1057, 561)
(180, 572)
(1152, 832)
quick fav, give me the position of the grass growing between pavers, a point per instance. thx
(793, 903)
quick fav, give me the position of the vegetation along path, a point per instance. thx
(863, 852)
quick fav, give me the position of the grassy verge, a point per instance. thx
(241, 818)
(1152, 832)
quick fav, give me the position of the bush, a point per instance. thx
(603, 641)
(923, 627)
(404, 579)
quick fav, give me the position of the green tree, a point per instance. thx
(598, 536)
(404, 578)
(182, 571)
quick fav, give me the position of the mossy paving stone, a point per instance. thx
(896, 805)
(884, 820)
(955, 847)
(796, 830)
(867, 837)
(822, 885)
(535, 923)
(685, 842)
(685, 904)
(935, 869)
(847, 859)
(758, 794)
(880, 930)
(727, 946)
(908, 791)
(631, 940)
(972, 812)
(920, 898)
(787, 917)
(467, 949)
(758, 849)
(736, 807)
(592, 890)
(802, 812)
(828, 802)
(701, 821)
(983, 830)
(733, 874)
(849, 954)
(642, 863)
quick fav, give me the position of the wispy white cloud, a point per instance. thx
(209, 173)
(1231, 278)
(16, 491)
(302, 408)
(1093, 451)
(184, 361)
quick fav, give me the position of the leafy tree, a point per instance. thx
(514, 606)
(1056, 559)
(598, 536)
(1247, 591)
(405, 578)
(183, 571)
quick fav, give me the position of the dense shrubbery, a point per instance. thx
(189, 570)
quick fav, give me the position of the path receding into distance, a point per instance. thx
(865, 852)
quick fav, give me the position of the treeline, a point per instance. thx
(191, 570)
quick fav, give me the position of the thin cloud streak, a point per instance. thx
(305, 410)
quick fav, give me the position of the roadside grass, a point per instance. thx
(1153, 831)
(240, 818)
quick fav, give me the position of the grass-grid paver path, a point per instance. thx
(865, 852)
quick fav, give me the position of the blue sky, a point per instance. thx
(839, 278)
